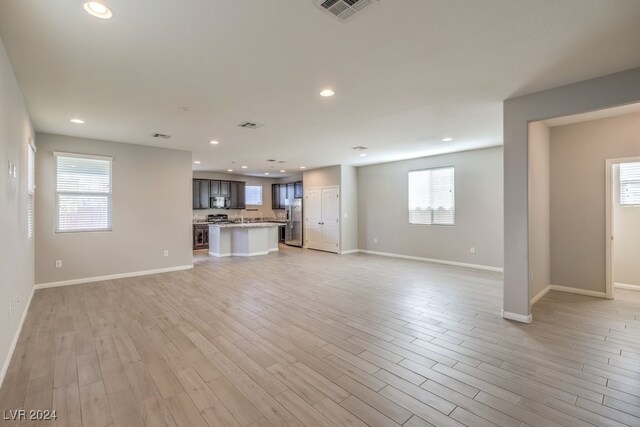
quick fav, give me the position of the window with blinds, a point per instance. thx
(83, 193)
(432, 196)
(253, 195)
(31, 188)
(630, 184)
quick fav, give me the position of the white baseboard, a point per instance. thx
(7, 361)
(351, 251)
(436, 261)
(539, 295)
(626, 286)
(111, 277)
(578, 291)
(516, 317)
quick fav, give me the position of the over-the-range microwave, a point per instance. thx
(219, 202)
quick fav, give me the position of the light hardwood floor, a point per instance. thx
(307, 338)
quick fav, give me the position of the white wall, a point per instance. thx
(578, 234)
(383, 209)
(252, 211)
(603, 92)
(539, 208)
(152, 200)
(16, 251)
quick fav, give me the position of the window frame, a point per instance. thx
(453, 189)
(109, 195)
(621, 182)
(246, 188)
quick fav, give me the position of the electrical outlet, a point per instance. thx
(375, 240)
(166, 253)
(472, 250)
(58, 263)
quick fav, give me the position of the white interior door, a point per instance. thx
(313, 219)
(330, 219)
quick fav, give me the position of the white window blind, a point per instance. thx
(31, 188)
(630, 183)
(253, 195)
(432, 196)
(83, 193)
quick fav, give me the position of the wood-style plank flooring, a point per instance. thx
(308, 338)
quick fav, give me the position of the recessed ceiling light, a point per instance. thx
(77, 121)
(303, 167)
(327, 92)
(363, 155)
(244, 167)
(282, 171)
(447, 139)
(266, 173)
(214, 142)
(197, 162)
(229, 170)
(98, 10)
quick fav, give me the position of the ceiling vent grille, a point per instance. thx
(343, 9)
(160, 135)
(359, 148)
(250, 125)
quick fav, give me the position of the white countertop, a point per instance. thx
(247, 225)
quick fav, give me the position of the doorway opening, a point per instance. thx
(623, 224)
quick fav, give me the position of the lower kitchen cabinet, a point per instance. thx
(200, 236)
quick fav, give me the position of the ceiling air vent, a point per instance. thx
(359, 148)
(250, 125)
(160, 135)
(343, 9)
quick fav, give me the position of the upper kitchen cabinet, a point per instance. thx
(297, 192)
(237, 195)
(224, 188)
(280, 193)
(201, 188)
(214, 188)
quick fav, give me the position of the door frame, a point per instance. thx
(304, 219)
(609, 226)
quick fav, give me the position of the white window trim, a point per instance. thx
(454, 197)
(109, 194)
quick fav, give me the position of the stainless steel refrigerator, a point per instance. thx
(293, 229)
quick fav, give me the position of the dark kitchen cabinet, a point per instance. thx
(275, 196)
(280, 193)
(236, 195)
(201, 193)
(214, 189)
(224, 188)
(297, 191)
(200, 236)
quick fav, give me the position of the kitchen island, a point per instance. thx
(249, 239)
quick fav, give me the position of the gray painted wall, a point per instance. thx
(603, 92)
(539, 207)
(16, 251)
(152, 199)
(349, 208)
(626, 238)
(578, 234)
(383, 209)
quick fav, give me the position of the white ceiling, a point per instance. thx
(407, 73)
